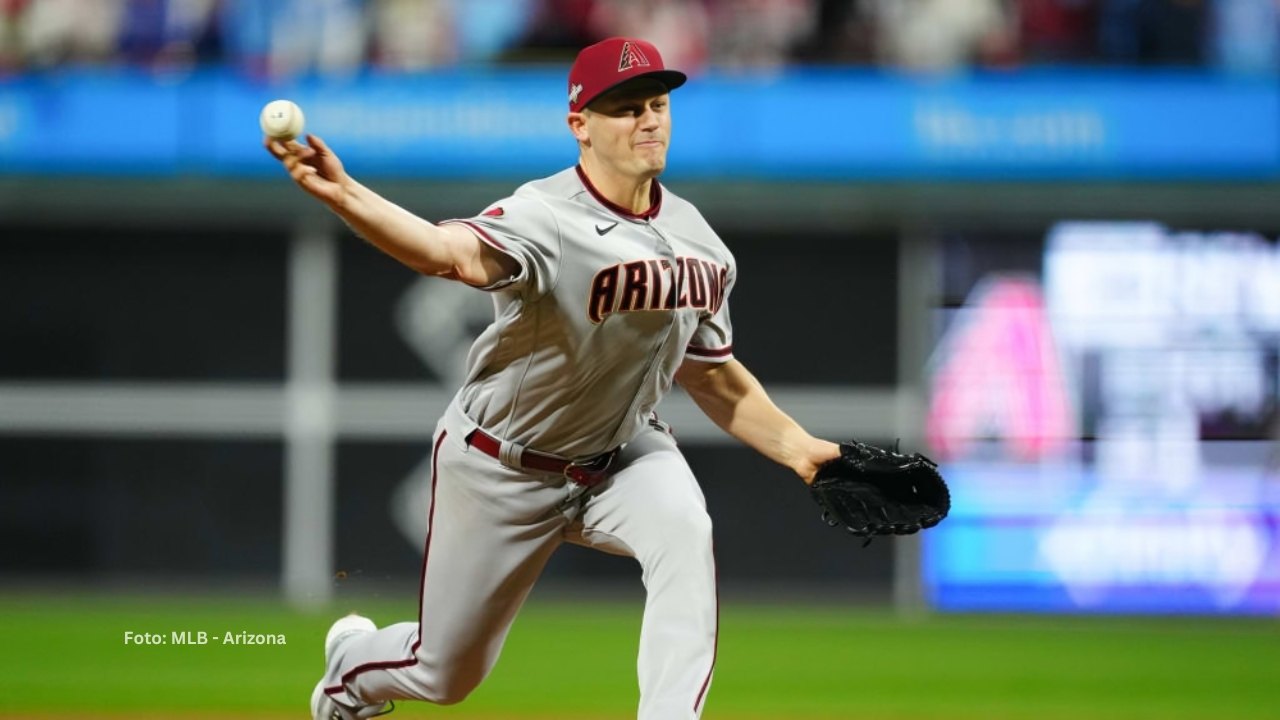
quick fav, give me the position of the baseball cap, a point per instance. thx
(604, 66)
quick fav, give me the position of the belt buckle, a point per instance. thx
(590, 472)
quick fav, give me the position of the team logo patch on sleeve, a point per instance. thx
(632, 56)
(495, 211)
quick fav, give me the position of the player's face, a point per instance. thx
(629, 128)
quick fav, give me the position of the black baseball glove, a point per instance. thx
(872, 491)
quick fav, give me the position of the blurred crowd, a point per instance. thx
(287, 37)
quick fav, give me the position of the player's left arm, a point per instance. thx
(736, 401)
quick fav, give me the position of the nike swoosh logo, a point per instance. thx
(605, 230)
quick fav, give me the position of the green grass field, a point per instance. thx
(66, 658)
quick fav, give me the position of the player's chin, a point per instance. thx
(654, 162)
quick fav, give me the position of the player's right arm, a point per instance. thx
(450, 251)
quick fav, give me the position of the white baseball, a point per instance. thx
(281, 120)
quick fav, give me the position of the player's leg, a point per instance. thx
(491, 531)
(653, 510)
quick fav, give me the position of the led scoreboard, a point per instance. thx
(1107, 421)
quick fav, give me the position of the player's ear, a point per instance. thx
(578, 126)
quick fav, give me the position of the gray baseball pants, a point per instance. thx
(492, 529)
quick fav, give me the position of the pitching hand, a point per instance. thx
(313, 167)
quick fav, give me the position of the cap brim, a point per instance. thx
(671, 79)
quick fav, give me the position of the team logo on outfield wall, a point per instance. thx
(997, 374)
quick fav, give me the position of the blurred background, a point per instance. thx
(1034, 239)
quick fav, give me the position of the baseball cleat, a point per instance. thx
(324, 707)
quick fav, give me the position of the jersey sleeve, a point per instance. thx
(713, 339)
(525, 229)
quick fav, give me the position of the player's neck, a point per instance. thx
(628, 192)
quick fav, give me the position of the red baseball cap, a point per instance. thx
(604, 66)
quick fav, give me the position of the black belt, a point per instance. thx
(587, 472)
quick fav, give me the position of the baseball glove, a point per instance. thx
(872, 491)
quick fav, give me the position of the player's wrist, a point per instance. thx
(345, 199)
(816, 452)
(795, 451)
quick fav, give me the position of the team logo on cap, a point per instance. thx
(574, 90)
(632, 56)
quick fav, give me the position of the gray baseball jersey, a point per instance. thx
(606, 305)
(586, 339)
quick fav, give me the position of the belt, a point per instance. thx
(588, 473)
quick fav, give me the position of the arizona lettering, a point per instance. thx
(248, 638)
(657, 284)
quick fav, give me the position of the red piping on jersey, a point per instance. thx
(655, 199)
(725, 351)
(484, 235)
(350, 675)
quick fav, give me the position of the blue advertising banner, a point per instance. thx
(1061, 539)
(815, 124)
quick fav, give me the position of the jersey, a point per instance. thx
(605, 306)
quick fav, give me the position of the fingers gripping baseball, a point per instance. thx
(313, 166)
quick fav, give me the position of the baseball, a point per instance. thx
(281, 120)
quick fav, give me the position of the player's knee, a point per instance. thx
(444, 681)
(452, 695)
(455, 683)
(450, 691)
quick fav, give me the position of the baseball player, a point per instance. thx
(607, 288)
